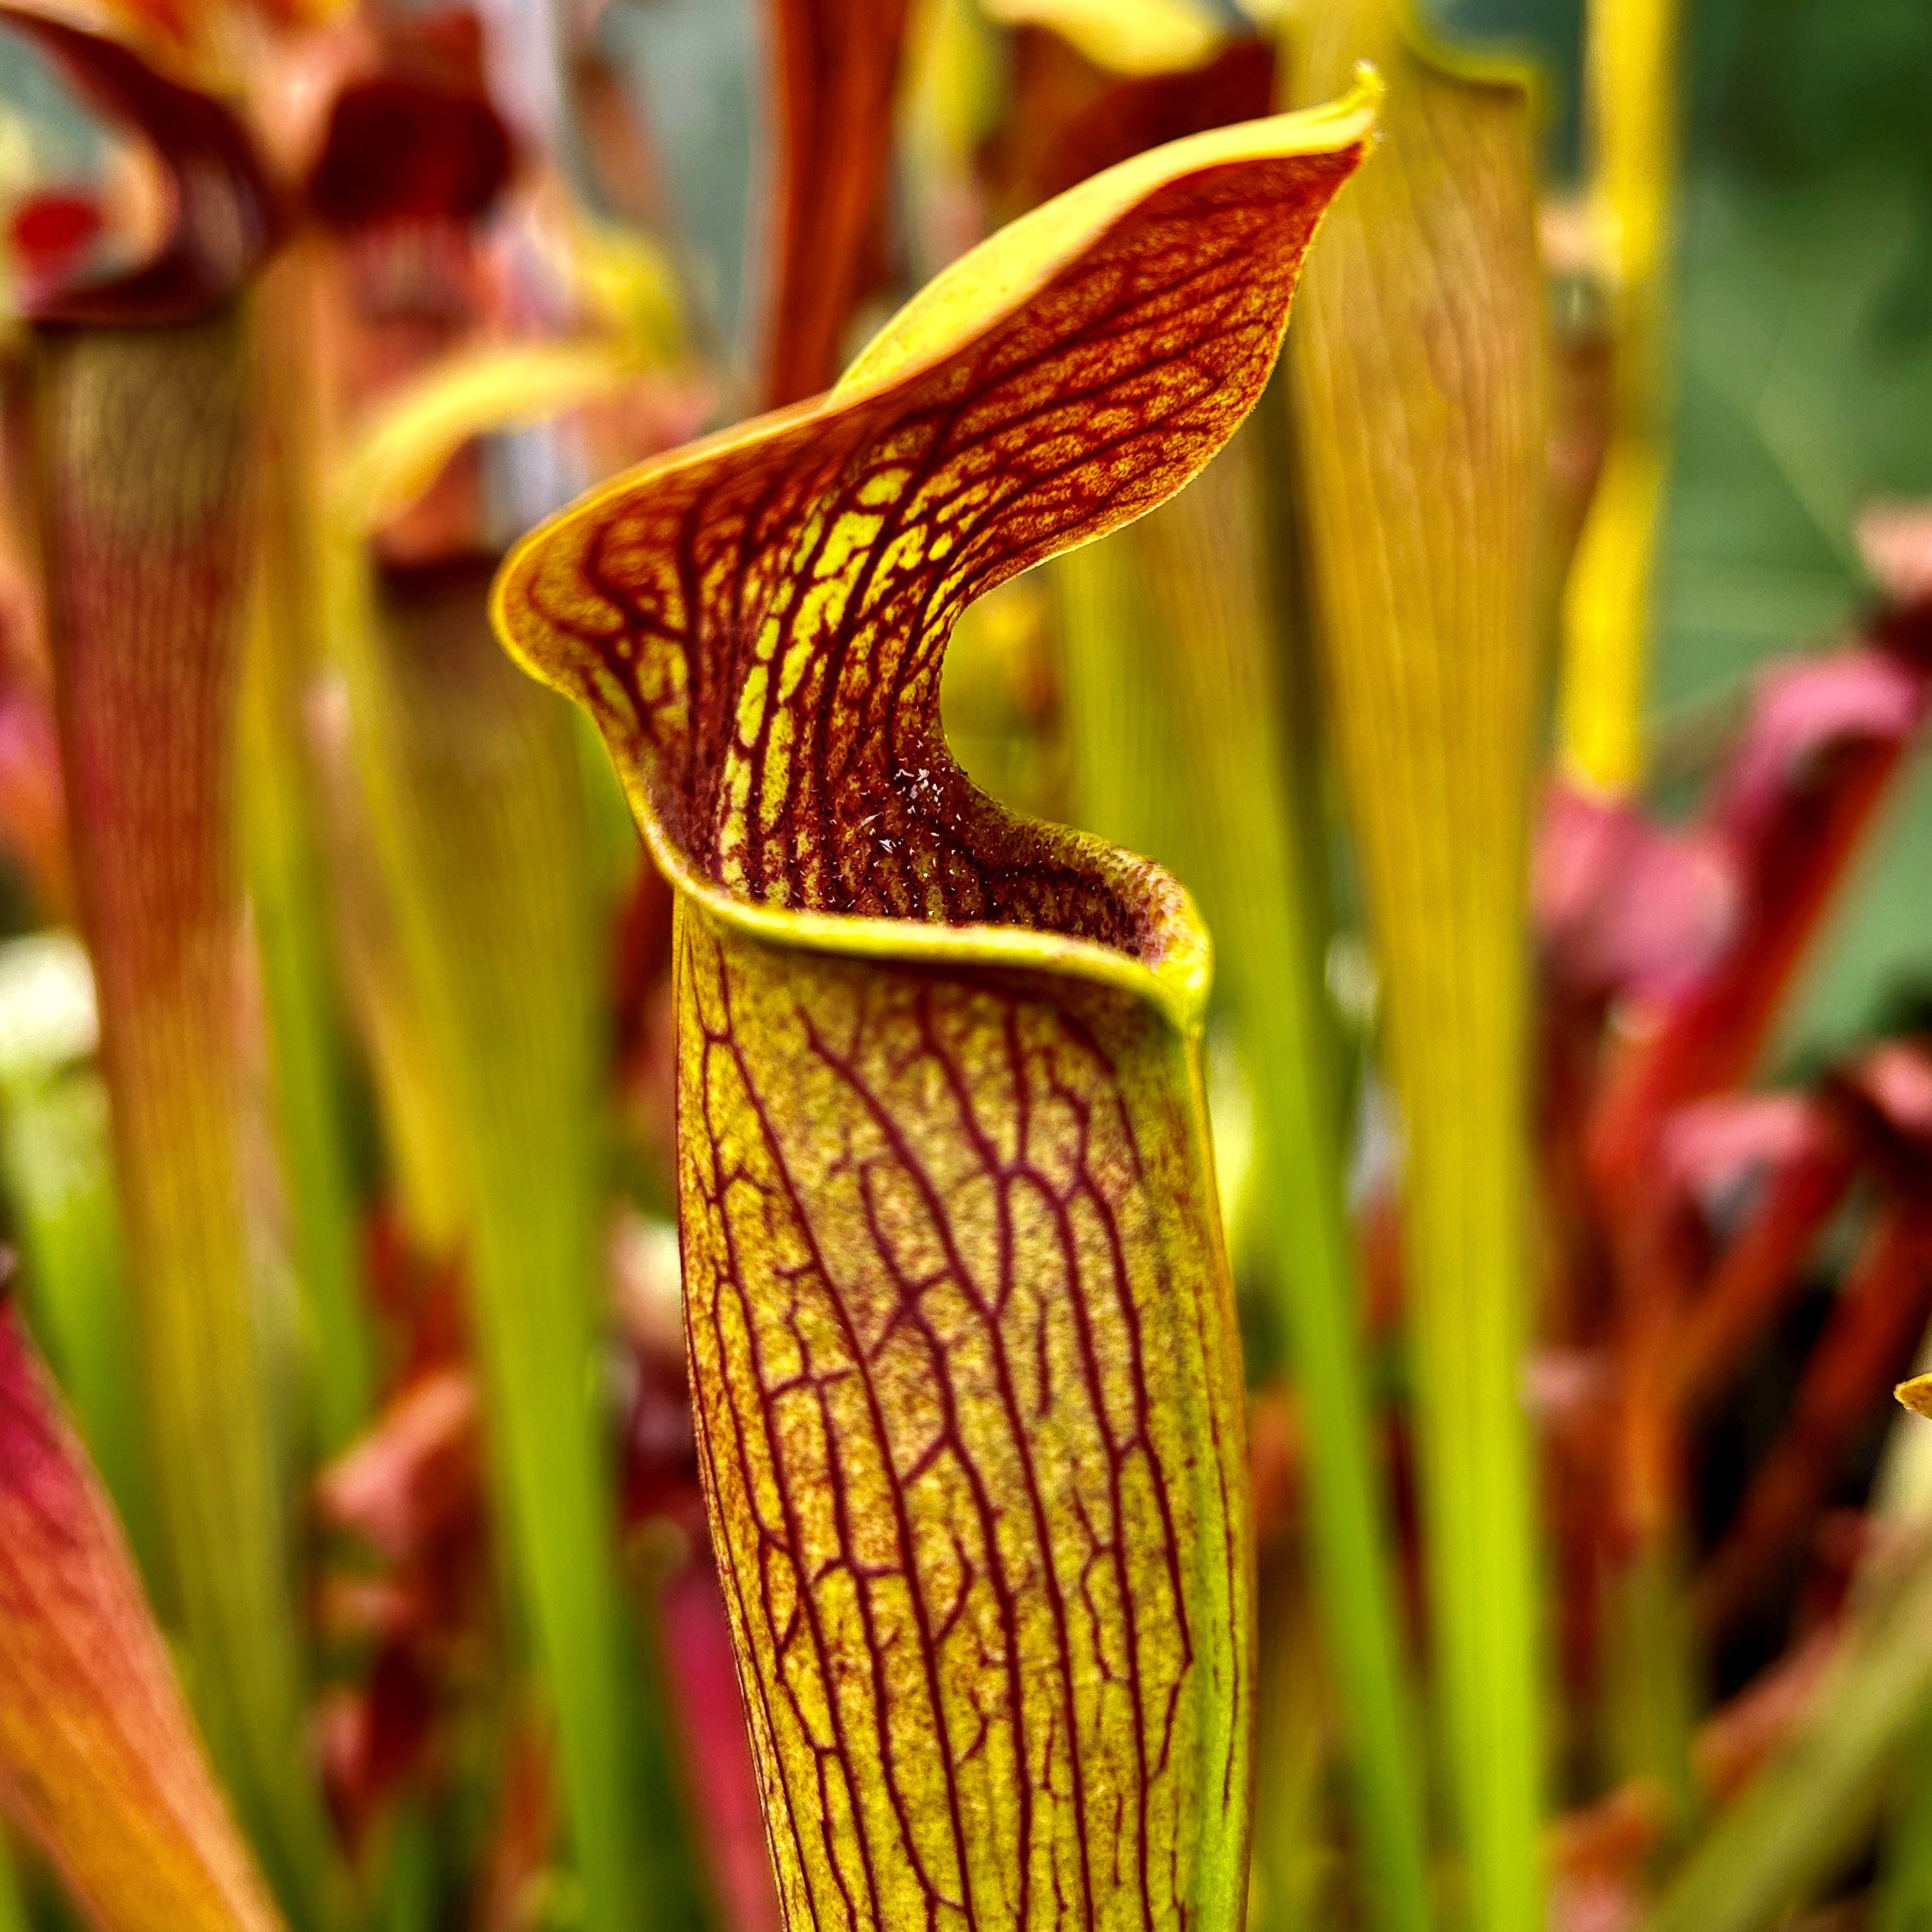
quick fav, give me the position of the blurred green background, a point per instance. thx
(1804, 378)
(1804, 389)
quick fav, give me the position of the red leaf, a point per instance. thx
(836, 63)
(99, 1761)
(1825, 737)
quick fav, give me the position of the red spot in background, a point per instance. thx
(697, 1637)
(51, 231)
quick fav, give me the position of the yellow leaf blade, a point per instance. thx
(1128, 37)
(398, 454)
(1096, 402)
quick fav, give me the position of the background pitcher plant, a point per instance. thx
(146, 388)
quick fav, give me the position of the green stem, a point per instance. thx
(407, 1902)
(1905, 1881)
(287, 876)
(1467, 1195)
(1265, 903)
(1650, 1702)
(1290, 1757)
(148, 487)
(285, 885)
(477, 802)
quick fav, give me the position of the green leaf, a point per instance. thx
(1418, 385)
(484, 979)
(478, 806)
(58, 1160)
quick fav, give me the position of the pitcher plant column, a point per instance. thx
(147, 453)
(967, 1378)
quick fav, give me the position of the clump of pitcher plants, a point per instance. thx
(854, 1070)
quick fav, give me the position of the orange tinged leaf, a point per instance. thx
(191, 39)
(966, 1379)
(99, 1761)
(159, 28)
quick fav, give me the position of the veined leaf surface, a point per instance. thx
(967, 1378)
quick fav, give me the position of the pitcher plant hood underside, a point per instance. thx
(965, 1366)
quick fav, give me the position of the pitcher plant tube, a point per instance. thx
(147, 428)
(835, 70)
(966, 1380)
